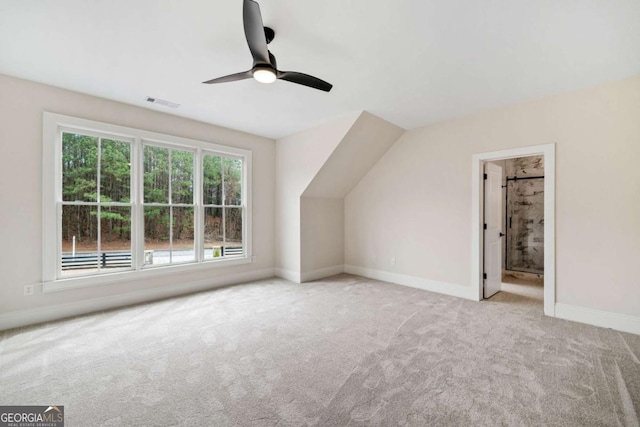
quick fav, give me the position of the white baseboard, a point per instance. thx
(32, 316)
(292, 276)
(451, 289)
(321, 273)
(605, 319)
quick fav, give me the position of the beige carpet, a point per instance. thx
(343, 351)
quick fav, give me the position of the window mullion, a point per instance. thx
(137, 210)
(98, 199)
(170, 198)
(99, 234)
(223, 203)
(243, 203)
(198, 211)
(99, 164)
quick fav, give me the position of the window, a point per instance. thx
(223, 212)
(122, 203)
(95, 214)
(168, 204)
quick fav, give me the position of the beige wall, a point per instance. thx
(315, 169)
(322, 235)
(299, 157)
(415, 204)
(21, 106)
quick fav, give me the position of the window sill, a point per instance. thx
(125, 276)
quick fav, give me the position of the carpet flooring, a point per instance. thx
(336, 352)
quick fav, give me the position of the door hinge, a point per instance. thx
(485, 176)
(485, 226)
(484, 276)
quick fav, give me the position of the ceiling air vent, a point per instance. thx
(162, 102)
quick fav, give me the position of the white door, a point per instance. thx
(492, 229)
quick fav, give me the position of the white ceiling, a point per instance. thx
(410, 62)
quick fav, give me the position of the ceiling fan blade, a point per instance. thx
(305, 80)
(254, 32)
(231, 78)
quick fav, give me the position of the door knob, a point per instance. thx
(502, 234)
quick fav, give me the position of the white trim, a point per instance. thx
(292, 276)
(69, 123)
(321, 273)
(605, 319)
(452, 289)
(32, 316)
(247, 195)
(51, 167)
(477, 195)
(54, 125)
(84, 281)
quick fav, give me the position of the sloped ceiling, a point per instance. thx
(362, 146)
(409, 62)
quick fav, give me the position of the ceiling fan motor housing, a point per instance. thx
(269, 34)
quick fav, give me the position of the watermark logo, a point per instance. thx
(32, 416)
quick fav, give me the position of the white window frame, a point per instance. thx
(53, 127)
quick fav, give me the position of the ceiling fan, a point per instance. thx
(264, 67)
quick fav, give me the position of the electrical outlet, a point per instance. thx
(254, 259)
(393, 260)
(28, 289)
(373, 259)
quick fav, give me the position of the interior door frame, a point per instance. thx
(548, 151)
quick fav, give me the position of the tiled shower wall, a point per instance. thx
(525, 215)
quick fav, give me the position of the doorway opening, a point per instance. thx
(523, 191)
(521, 229)
(513, 228)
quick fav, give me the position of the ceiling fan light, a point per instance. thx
(264, 75)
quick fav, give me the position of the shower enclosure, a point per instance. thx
(525, 215)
